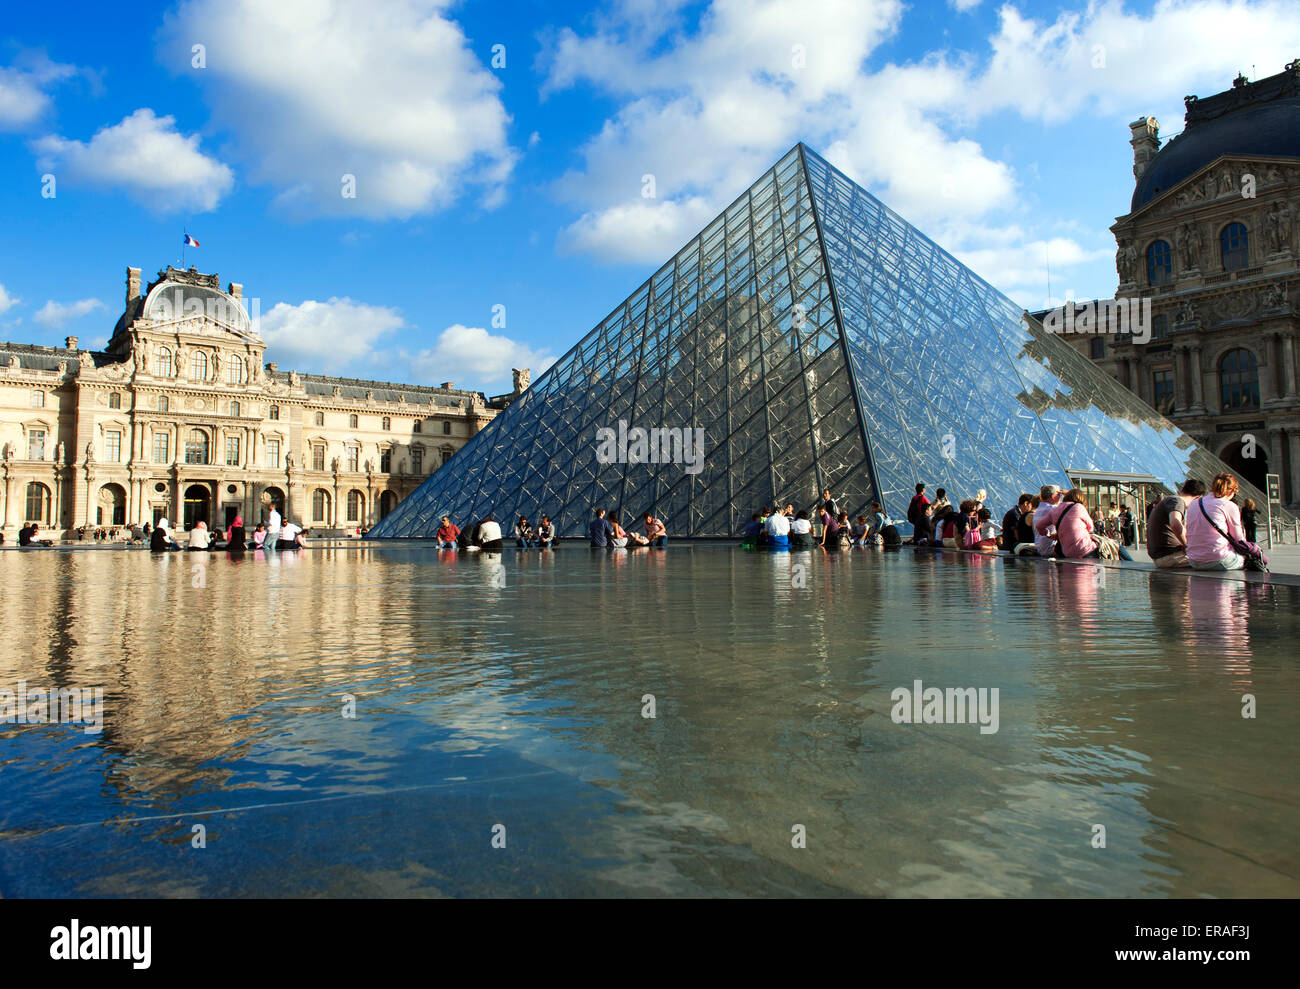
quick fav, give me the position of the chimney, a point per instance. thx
(70, 343)
(132, 285)
(1146, 142)
(448, 386)
(235, 290)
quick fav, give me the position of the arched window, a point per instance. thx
(356, 504)
(236, 373)
(275, 412)
(387, 423)
(320, 418)
(320, 505)
(163, 363)
(114, 400)
(199, 366)
(196, 447)
(234, 409)
(1238, 380)
(38, 503)
(1160, 263)
(352, 422)
(1234, 247)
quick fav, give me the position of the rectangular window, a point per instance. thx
(232, 451)
(446, 428)
(164, 403)
(419, 426)
(38, 400)
(1162, 391)
(1098, 348)
(273, 453)
(1159, 327)
(318, 457)
(417, 461)
(386, 461)
(35, 444)
(113, 446)
(161, 448)
(354, 456)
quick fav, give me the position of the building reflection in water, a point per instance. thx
(1119, 704)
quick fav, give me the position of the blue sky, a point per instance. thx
(999, 130)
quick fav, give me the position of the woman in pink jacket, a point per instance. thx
(1073, 527)
(1207, 549)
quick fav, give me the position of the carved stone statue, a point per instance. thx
(334, 465)
(216, 366)
(293, 379)
(370, 466)
(1274, 296)
(1188, 243)
(1225, 182)
(524, 377)
(288, 459)
(90, 453)
(1186, 315)
(58, 452)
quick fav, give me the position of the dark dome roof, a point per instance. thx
(1261, 129)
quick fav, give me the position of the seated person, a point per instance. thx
(448, 533)
(27, 536)
(858, 533)
(988, 531)
(777, 531)
(923, 527)
(656, 534)
(1074, 528)
(259, 536)
(750, 538)
(200, 538)
(489, 534)
(545, 533)
(619, 538)
(1167, 527)
(289, 533)
(523, 533)
(801, 531)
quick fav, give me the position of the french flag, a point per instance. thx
(190, 241)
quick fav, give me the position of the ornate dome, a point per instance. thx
(178, 294)
(1260, 119)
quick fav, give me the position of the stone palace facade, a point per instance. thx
(179, 417)
(1211, 239)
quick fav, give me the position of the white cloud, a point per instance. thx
(474, 358)
(327, 337)
(145, 156)
(7, 301)
(388, 91)
(55, 314)
(729, 90)
(962, 6)
(23, 96)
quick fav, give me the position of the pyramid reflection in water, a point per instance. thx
(818, 340)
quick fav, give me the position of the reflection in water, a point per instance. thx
(508, 688)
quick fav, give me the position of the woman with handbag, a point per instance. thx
(1216, 539)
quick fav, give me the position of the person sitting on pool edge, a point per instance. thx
(777, 530)
(801, 531)
(448, 533)
(489, 534)
(1167, 527)
(545, 533)
(1074, 528)
(656, 535)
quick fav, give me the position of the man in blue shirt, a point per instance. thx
(601, 531)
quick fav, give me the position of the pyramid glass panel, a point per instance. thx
(816, 339)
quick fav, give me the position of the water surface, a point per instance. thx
(509, 691)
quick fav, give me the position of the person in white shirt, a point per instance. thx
(801, 531)
(200, 538)
(273, 526)
(778, 531)
(489, 534)
(288, 538)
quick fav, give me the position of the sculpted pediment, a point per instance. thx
(1224, 178)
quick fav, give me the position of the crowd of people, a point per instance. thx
(273, 534)
(1199, 528)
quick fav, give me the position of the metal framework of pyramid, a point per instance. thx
(820, 341)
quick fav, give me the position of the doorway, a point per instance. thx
(198, 506)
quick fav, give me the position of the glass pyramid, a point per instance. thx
(819, 340)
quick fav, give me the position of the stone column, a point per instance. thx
(1198, 399)
(1288, 368)
(9, 497)
(1270, 382)
(1182, 386)
(335, 513)
(1291, 475)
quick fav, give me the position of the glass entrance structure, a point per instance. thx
(811, 338)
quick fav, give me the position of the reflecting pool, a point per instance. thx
(379, 721)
